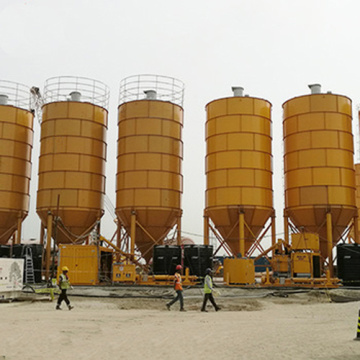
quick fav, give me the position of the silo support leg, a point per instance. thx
(206, 230)
(18, 232)
(329, 241)
(132, 233)
(356, 229)
(48, 245)
(242, 234)
(286, 229)
(179, 231)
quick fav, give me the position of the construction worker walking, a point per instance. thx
(64, 284)
(178, 288)
(208, 291)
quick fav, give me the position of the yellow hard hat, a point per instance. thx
(65, 268)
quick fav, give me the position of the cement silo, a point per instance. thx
(72, 157)
(16, 137)
(150, 152)
(319, 166)
(239, 195)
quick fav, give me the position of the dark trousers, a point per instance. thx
(211, 298)
(179, 296)
(62, 297)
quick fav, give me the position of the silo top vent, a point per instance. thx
(315, 88)
(3, 99)
(238, 90)
(75, 96)
(150, 94)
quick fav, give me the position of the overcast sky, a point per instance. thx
(274, 49)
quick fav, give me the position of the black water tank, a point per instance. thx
(165, 259)
(198, 258)
(348, 264)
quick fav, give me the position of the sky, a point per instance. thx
(273, 49)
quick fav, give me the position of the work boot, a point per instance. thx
(168, 306)
(58, 307)
(217, 308)
(70, 307)
(203, 310)
(182, 309)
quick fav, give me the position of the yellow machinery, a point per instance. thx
(150, 151)
(124, 273)
(319, 167)
(16, 137)
(72, 159)
(88, 264)
(239, 194)
(239, 271)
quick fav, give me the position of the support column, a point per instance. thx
(48, 245)
(356, 229)
(206, 229)
(132, 232)
(178, 239)
(18, 232)
(42, 234)
(242, 233)
(273, 232)
(286, 228)
(329, 242)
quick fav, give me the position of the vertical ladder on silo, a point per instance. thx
(29, 266)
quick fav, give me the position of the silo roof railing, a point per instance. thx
(15, 94)
(75, 88)
(151, 87)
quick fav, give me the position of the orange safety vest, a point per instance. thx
(178, 281)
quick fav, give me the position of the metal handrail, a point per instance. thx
(15, 94)
(92, 91)
(166, 88)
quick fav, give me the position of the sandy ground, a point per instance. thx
(301, 326)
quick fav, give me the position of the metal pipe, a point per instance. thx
(273, 230)
(329, 241)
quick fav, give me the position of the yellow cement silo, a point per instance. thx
(319, 165)
(16, 137)
(239, 195)
(72, 157)
(150, 152)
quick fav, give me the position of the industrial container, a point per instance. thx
(88, 264)
(239, 271)
(165, 259)
(16, 137)
(150, 152)
(348, 264)
(319, 166)
(72, 156)
(239, 194)
(198, 258)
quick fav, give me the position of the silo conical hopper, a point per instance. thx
(238, 168)
(72, 156)
(150, 151)
(16, 137)
(319, 165)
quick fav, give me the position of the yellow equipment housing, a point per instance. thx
(88, 264)
(280, 263)
(305, 264)
(305, 241)
(239, 271)
(124, 273)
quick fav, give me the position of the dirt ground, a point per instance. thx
(249, 326)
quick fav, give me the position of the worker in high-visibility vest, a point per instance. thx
(178, 288)
(208, 291)
(64, 284)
